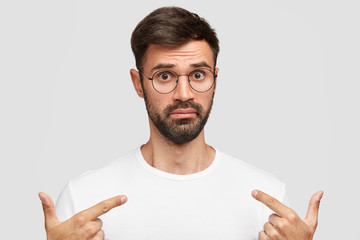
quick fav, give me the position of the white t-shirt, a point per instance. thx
(213, 204)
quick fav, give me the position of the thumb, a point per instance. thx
(51, 219)
(311, 218)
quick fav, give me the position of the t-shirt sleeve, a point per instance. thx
(65, 206)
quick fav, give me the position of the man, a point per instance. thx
(178, 186)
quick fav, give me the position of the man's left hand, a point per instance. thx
(286, 224)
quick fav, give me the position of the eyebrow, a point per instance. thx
(170, 65)
(162, 65)
(200, 64)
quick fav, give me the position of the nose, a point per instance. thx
(183, 92)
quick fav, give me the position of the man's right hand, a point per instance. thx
(83, 225)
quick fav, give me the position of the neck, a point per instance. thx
(187, 158)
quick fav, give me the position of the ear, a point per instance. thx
(216, 73)
(135, 77)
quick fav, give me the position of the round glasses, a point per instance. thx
(165, 81)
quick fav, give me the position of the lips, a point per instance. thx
(183, 113)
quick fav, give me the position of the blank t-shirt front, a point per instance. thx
(213, 204)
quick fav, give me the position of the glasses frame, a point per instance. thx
(177, 79)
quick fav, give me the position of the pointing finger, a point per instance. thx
(49, 210)
(271, 203)
(313, 210)
(103, 207)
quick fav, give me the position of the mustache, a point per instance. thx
(183, 105)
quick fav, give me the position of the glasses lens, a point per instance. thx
(164, 81)
(201, 80)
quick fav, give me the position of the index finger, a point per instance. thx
(103, 207)
(271, 203)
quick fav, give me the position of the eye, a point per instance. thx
(198, 75)
(164, 76)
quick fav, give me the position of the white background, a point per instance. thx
(287, 98)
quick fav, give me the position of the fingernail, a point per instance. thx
(42, 199)
(254, 193)
(123, 200)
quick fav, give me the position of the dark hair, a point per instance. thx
(171, 26)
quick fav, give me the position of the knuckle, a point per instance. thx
(292, 217)
(269, 202)
(46, 209)
(265, 225)
(280, 225)
(104, 207)
(80, 219)
(272, 234)
(100, 221)
(91, 229)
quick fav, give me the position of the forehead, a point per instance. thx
(184, 55)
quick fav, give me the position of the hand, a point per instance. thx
(84, 225)
(286, 224)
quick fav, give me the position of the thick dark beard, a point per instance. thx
(179, 131)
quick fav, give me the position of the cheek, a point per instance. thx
(157, 102)
(206, 100)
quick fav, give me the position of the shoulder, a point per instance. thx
(111, 172)
(97, 185)
(244, 167)
(245, 174)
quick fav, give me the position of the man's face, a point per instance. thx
(180, 115)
